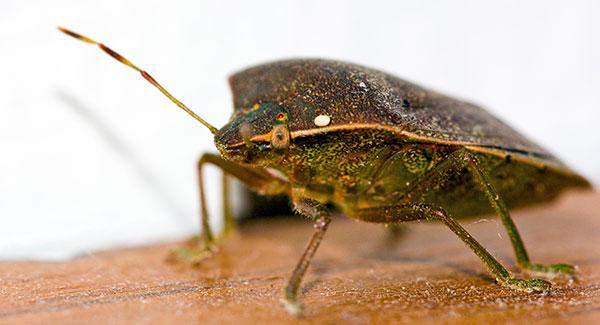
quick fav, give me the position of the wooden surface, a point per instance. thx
(356, 277)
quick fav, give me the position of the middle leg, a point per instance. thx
(322, 217)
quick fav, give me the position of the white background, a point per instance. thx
(92, 157)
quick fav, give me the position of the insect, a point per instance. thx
(338, 137)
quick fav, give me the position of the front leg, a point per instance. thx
(255, 178)
(322, 217)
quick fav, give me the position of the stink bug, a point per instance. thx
(335, 136)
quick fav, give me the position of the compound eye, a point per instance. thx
(280, 137)
(281, 117)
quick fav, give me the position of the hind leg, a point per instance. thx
(499, 206)
(460, 159)
(455, 162)
(410, 212)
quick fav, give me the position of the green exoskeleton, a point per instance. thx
(334, 136)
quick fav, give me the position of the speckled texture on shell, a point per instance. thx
(352, 94)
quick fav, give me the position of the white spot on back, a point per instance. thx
(322, 120)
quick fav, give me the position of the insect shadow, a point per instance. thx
(142, 172)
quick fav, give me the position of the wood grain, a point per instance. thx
(358, 276)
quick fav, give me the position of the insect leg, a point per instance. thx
(322, 217)
(257, 179)
(395, 232)
(413, 211)
(499, 206)
(463, 158)
(228, 222)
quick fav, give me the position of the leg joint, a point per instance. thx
(322, 223)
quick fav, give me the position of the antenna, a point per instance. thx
(144, 74)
